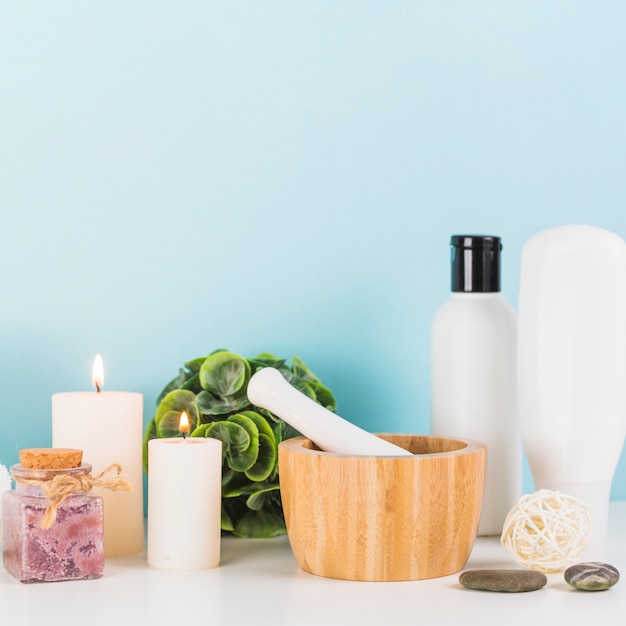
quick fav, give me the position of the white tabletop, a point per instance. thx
(258, 582)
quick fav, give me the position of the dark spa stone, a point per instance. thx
(503, 580)
(591, 576)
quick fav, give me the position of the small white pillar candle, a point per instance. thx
(108, 428)
(184, 503)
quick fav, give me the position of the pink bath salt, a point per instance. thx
(71, 549)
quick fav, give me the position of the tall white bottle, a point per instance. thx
(473, 371)
(572, 362)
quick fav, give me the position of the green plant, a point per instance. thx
(212, 390)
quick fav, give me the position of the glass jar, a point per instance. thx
(71, 549)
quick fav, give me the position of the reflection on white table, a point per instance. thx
(258, 583)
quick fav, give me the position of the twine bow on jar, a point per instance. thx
(61, 486)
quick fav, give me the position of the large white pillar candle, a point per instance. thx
(184, 503)
(108, 428)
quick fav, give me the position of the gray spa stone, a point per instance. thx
(504, 580)
(591, 576)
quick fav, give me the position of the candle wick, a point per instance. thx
(184, 434)
(97, 387)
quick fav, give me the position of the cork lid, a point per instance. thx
(50, 458)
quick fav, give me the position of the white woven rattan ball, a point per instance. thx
(546, 531)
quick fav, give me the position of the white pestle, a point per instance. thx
(268, 389)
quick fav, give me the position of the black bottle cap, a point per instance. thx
(475, 263)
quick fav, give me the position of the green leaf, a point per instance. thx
(256, 500)
(232, 509)
(228, 475)
(225, 374)
(226, 522)
(175, 383)
(192, 384)
(250, 455)
(323, 396)
(289, 432)
(278, 432)
(265, 359)
(259, 524)
(300, 369)
(200, 431)
(208, 404)
(268, 356)
(233, 435)
(194, 365)
(288, 375)
(261, 423)
(167, 416)
(245, 422)
(305, 387)
(266, 459)
(237, 485)
(240, 485)
(270, 417)
(151, 433)
(239, 452)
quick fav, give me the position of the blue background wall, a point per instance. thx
(282, 176)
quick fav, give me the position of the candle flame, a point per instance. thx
(183, 424)
(97, 377)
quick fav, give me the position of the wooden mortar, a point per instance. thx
(383, 518)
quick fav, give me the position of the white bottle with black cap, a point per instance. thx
(473, 371)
